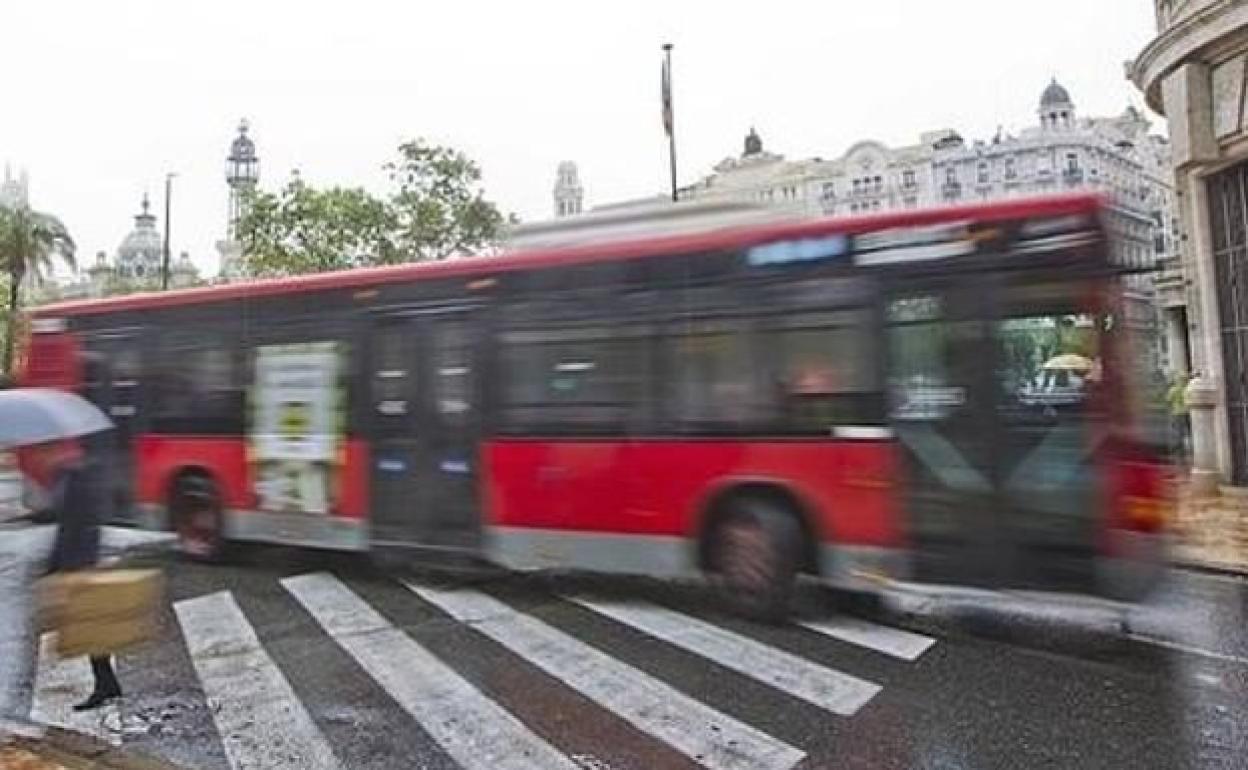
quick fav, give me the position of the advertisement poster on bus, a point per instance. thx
(297, 424)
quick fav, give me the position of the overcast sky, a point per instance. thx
(102, 97)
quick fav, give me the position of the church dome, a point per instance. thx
(140, 252)
(1054, 95)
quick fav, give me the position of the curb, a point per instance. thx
(76, 751)
(1222, 570)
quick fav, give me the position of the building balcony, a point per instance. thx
(1073, 175)
(951, 189)
(1170, 283)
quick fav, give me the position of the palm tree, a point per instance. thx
(29, 243)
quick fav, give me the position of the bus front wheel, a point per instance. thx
(198, 521)
(754, 556)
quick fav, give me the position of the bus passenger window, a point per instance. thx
(587, 379)
(714, 376)
(827, 373)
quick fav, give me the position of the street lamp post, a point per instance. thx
(164, 266)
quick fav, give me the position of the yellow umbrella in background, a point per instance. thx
(1069, 362)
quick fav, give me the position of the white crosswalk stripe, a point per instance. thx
(59, 684)
(261, 720)
(473, 729)
(890, 641)
(712, 739)
(826, 688)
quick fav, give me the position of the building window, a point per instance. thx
(911, 202)
(829, 190)
(875, 205)
(907, 178)
(1072, 162)
(1010, 172)
(857, 186)
(981, 173)
(951, 176)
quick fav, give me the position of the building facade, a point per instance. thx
(1116, 155)
(1193, 72)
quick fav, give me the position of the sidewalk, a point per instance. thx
(59, 749)
(1213, 531)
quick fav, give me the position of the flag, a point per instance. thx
(667, 94)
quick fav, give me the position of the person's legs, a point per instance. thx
(106, 685)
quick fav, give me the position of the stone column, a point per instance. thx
(1202, 400)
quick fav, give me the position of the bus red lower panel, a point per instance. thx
(656, 487)
(160, 458)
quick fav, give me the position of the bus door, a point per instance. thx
(1050, 430)
(990, 386)
(425, 428)
(111, 379)
(941, 406)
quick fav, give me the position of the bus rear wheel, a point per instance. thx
(754, 558)
(198, 521)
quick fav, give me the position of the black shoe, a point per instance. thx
(97, 699)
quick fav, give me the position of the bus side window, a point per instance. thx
(198, 389)
(825, 370)
(715, 379)
(582, 379)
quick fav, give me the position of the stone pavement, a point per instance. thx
(56, 749)
(1212, 531)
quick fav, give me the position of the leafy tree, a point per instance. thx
(435, 209)
(438, 205)
(305, 230)
(30, 242)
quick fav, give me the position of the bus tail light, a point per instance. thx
(1145, 514)
(1143, 498)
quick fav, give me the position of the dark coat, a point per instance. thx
(77, 503)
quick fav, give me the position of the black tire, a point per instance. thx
(197, 518)
(754, 557)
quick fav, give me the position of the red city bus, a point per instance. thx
(946, 395)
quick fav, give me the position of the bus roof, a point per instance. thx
(582, 253)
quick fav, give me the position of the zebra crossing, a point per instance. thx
(263, 723)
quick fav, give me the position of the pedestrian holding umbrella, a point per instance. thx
(45, 422)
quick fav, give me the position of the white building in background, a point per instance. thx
(135, 266)
(14, 192)
(1115, 155)
(569, 194)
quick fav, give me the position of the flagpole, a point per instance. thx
(671, 131)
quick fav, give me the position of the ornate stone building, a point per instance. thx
(1116, 155)
(1193, 72)
(138, 262)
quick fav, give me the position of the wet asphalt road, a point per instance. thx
(1005, 682)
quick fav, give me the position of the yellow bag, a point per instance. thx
(100, 612)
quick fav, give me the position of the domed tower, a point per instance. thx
(569, 194)
(139, 255)
(1057, 111)
(242, 173)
